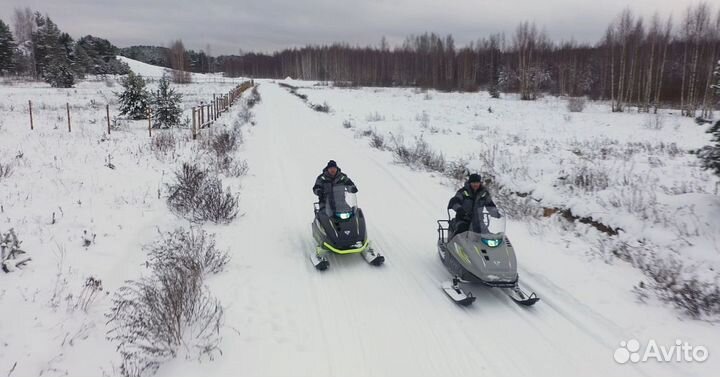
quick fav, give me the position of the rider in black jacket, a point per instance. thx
(331, 176)
(472, 196)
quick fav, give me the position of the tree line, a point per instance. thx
(637, 62)
(39, 49)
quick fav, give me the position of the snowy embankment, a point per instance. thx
(154, 72)
(84, 205)
(630, 172)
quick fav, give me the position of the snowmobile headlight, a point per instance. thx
(343, 215)
(491, 243)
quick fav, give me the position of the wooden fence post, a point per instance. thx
(214, 106)
(150, 123)
(67, 105)
(31, 120)
(202, 115)
(194, 113)
(107, 112)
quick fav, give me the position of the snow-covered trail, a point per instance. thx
(285, 318)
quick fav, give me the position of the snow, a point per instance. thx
(156, 72)
(282, 317)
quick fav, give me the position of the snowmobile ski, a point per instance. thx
(457, 294)
(319, 262)
(520, 297)
(372, 257)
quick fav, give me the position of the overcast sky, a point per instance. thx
(227, 26)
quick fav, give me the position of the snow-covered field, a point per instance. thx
(284, 318)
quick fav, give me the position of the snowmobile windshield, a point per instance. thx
(341, 203)
(489, 222)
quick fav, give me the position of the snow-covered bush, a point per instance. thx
(6, 170)
(254, 97)
(11, 255)
(164, 316)
(135, 98)
(374, 117)
(324, 108)
(198, 197)
(244, 116)
(223, 143)
(586, 177)
(424, 120)
(163, 144)
(347, 124)
(165, 105)
(669, 277)
(191, 249)
(654, 122)
(418, 155)
(576, 104)
(377, 140)
(91, 290)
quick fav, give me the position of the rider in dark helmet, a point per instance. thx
(472, 196)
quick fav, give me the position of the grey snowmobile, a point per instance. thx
(339, 227)
(483, 255)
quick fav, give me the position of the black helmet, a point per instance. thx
(475, 178)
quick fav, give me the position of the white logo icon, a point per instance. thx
(678, 352)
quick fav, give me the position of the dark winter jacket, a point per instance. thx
(466, 201)
(324, 184)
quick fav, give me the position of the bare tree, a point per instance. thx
(180, 63)
(24, 27)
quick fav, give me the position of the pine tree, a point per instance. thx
(710, 155)
(166, 111)
(134, 98)
(7, 46)
(53, 53)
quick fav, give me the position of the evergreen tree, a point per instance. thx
(710, 155)
(166, 111)
(134, 98)
(53, 53)
(7, 47)
(97, 56)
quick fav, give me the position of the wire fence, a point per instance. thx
(203, 115)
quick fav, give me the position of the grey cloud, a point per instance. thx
(268, 25)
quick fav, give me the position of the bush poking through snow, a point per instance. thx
(254, 97)
(324, 108)
(375, 117)
(244, 116)
(5, 171)
(576, 104)
(419, 155)
(347, 124)
(91, 289)
(11, 255)
(163, 144)
(654, 122)
(377, 140)
(587, 178)
(190, 249)
(198, 197)
(694, 297)
(161, 317)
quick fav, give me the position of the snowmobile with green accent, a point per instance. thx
(339, 227)
(483, 254)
